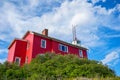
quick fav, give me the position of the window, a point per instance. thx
(43, 43)
(17, 60)
(80, 53)
(63, 48)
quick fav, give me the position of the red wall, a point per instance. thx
(37, 49)
(20, 50)
(11, 52)
(29, 49)
(71, 49)
(85, 54)
(52, 46)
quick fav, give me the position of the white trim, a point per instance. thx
(59, 47)
(31, 32)
(18, 59)
(81, 53)
(65, 47)
(42, 43)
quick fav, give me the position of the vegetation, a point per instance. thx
(52, 67)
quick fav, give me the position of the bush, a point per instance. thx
(54, 66)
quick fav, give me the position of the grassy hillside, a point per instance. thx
(52, 67)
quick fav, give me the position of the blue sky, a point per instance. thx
(98, 24)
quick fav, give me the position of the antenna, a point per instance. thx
(75, 40)
(74, 32)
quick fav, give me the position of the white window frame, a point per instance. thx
(65, 48)
(81, 53)
(42, 43)
(18, 59)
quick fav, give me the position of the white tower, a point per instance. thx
(75, 40)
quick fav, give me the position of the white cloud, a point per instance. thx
(3, 60)
(109, 18)
(80, 18)
(111, 58)
(102, 11)
(33, 3)
(103, 0)
(118, 7)
(60, 20)
(2, 51)
(96, 1)
(112, 36)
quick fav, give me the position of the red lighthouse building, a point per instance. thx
(24, 50)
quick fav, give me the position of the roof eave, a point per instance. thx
(60, 41)
(14, 41)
